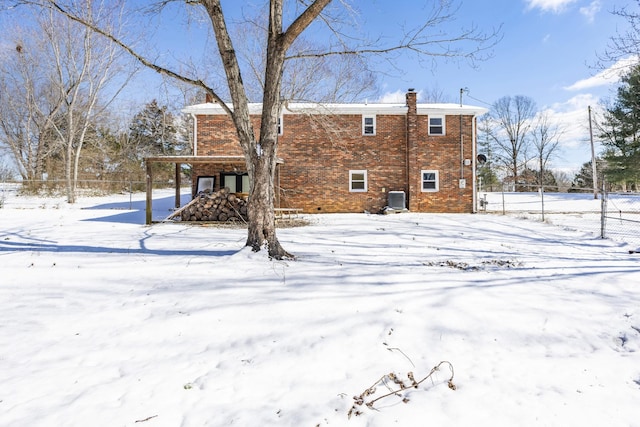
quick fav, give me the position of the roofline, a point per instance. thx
(317, 108)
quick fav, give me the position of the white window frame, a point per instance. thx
(352, 181)
(422, 181)
(372, 126)
(443, 126)
(281, 124)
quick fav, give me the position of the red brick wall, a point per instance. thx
(319, 150)
(442, 153)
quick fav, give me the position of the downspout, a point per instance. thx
(461, 142)
(461, 151)
(474, 159)
(195, 134)
(407, 186)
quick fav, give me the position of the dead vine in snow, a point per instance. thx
(396, 386)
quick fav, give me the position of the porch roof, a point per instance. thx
(199, 159)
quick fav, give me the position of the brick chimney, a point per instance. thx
(412, 118)
(412, 144)
(208, 98)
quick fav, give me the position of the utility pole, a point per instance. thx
(594, 169)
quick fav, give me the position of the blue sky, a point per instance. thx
(548, 52)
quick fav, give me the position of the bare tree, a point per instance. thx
(57, 92)
(26, 105)
(545, 137)
(512, 118)
(426, 41)
(6, 172)
(626, 43)
(85, 64)
(344, 78)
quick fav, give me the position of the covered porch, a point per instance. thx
(236, 162)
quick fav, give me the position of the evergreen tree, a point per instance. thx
(487, 177)
(620, 133)
(152, 131)
(583, 180)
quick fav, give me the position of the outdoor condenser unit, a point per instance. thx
(397, 200)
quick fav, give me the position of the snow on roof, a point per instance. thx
(317, 108)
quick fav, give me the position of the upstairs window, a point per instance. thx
(436, 125)
(280, 121)
(430, 181)
(357, 181)
(368, 125)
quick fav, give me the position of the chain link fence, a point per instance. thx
(621, 217)
(44, 189)
(610, 215)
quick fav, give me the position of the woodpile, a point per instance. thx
(222, 206)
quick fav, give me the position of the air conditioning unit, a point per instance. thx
(397, 200)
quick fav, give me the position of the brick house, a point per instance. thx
(354, 157)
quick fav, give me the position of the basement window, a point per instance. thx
(358, 181)
(436, 125)
(368, 125)
(430, 180)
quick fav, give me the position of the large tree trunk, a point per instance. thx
(260, 156)
(262, 225)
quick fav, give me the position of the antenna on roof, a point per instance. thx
(463, 90)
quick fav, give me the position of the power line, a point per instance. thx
(479, 100)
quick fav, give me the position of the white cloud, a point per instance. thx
(572, 117)
(592, 10)
(605, 77)
(397, 97)
(392, 97)
(555, 6)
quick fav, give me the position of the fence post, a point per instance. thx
(603, 211)
(542, 200)
(149, 203)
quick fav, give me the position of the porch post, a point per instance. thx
(148, 209)
(177, 180)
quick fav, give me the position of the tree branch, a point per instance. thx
(303, 21)
(158, 68)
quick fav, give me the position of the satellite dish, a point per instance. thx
(482, 159)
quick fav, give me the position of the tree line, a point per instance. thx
(58, 123)
(520, 142)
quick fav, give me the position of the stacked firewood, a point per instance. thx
(220, 206)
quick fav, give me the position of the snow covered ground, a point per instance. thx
(108, 322)
(575, 210)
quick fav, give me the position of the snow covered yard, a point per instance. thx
(107, 322)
